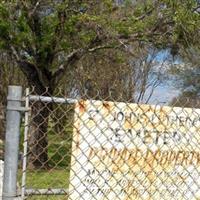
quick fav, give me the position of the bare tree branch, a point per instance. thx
(35, 8)
(14, 52)
(107, 46)
(74, 56)
(71, 58)
(196, 9)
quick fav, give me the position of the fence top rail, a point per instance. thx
(52, 99)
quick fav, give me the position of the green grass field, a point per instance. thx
(60, 129)
(57, 175)
(41, 179)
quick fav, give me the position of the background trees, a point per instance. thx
(67, 43)
(48, 38)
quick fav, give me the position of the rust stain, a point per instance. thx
(144, 166)
(128, 124)
(78, 132)
(106, 105)
(82, 106)
(77, 144)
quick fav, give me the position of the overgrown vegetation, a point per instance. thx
(84, 47)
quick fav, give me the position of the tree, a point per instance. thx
(48, 38)
(8, 74)
(117, 75)
(186, 77)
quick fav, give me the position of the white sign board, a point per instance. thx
(130, 151)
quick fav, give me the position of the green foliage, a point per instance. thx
(46, 32)
(125, 21)
(4, 25)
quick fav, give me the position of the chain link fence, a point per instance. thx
(80, 149)
(46, 144)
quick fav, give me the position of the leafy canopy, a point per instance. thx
(48, 36)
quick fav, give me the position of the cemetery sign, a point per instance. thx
(130, 151)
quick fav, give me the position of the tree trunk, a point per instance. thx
(38, 141)
(38, 134)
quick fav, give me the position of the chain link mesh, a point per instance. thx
(105, 149)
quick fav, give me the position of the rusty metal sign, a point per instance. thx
(130, 151)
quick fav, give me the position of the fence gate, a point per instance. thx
(101, 149)
(47, 142)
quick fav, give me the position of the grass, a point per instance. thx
(57, 176)
(59, 150)
(42, 179)
(59, 154)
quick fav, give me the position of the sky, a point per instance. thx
(163, 94)
(166, 91)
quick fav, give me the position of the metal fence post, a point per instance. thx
(13, 117)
